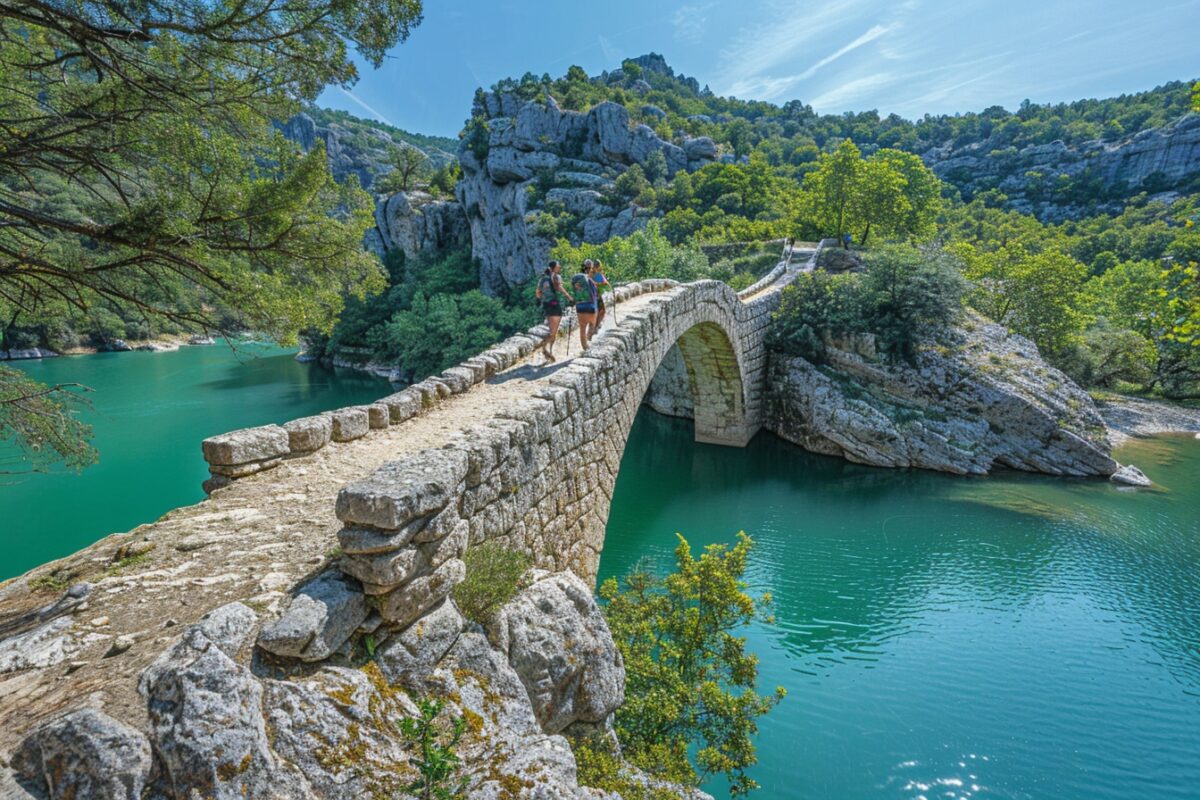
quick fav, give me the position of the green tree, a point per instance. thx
(154, 121)
(409, 166)
(1037, 294)
(831, 190)
(922, 190)
(38, 420)
(691, 706)
(1196, 96)
(910, 296)
(879, 201)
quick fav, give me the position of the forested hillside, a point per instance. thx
(1054, 159)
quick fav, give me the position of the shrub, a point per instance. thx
(601, 768)
(905, 297)
(494, 576)
(432, 743)
(691, 705)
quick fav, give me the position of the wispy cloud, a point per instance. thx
(611, 54)
(748, 64)
(690, 21)
(874, 33)
(363, 105)
(850, 92)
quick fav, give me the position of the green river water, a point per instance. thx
(150, 411)
(939, 637)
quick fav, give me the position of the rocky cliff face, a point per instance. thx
(534, 158)
(1156, 160)
(414, 223)
(988, 401)
(224, 718)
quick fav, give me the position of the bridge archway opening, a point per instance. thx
(701, 377)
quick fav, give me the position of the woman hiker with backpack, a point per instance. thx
(585, 308)
(549, 288)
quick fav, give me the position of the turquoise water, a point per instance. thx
(150, 413)
(941, 637)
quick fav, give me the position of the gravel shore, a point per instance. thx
(1128, 417)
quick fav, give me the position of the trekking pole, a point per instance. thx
(568, 337)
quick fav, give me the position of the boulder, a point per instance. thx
(323, 615)
(559, 645)
(244, 446)
(418, 648)
(85, 754)
(1130, 475)
(206, 721)
(309, 434)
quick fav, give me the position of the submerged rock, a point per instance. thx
(1130, 475)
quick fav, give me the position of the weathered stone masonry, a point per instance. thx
(539, 474)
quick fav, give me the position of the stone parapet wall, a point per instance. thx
(248, 451)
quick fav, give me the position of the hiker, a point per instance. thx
(585, 306)
(601, 282)
(549, 288)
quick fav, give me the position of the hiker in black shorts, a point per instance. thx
(601, 282)
(549, 288)
(585, 307)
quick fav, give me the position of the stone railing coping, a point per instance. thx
(244, 452)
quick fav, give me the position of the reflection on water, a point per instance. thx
(1009, 637)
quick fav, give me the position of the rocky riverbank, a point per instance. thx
(1131, 417)
(984, 401)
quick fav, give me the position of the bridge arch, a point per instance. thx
(539, 474)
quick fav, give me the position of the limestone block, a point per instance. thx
(350, 424)
(417, 649)
(85, 754)
(244, 446)
(323, 614)
(412, 601)
(378, 416)
(399, 491)
(242, 470)
(308, 434)
(403, 405)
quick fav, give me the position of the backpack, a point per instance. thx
(545, 286)
(582, 286)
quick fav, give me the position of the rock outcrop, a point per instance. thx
(1154, 160)
(414, 223)
(215, 725)
(355, 147)
(531, 158)
(987, 401)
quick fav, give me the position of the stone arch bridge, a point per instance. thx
(537, 470)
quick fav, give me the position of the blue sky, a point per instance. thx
(908, 56)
